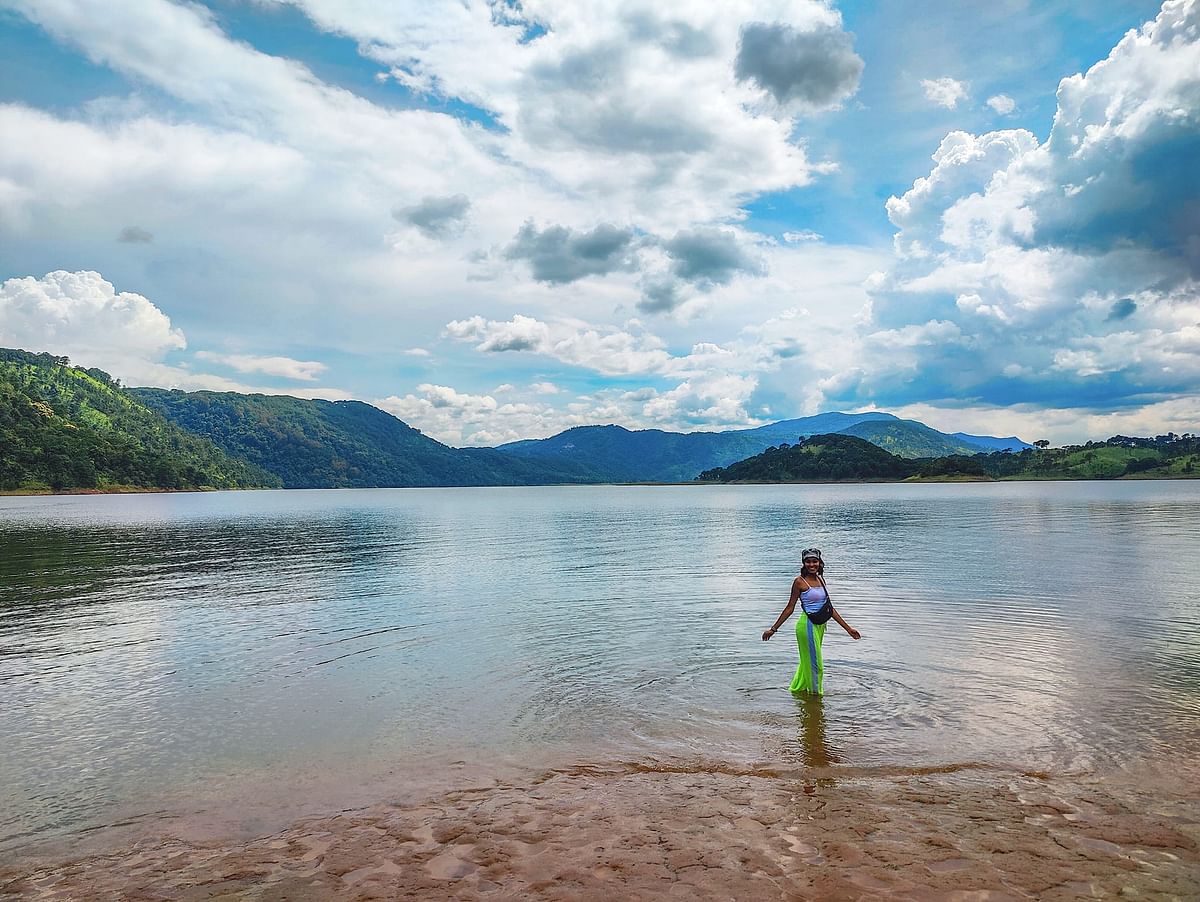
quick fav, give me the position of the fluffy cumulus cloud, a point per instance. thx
(553, 156)
(707, 400)
(811, 68)
(632, 107)
(539, 154)
(945, 92)
(706, 385)
(464, 419)
(81, 315)
(1063, 274)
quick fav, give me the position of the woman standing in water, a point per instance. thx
(809, 589)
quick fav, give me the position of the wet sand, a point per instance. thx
(972, 832)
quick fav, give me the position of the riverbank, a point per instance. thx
(698, 831)
(105, 490)
(913, 480)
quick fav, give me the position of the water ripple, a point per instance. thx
(148, 643)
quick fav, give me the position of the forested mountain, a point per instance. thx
(830, 458)
(618, 454)
(819, 458)
(652, 455)
(908, 438)
(343, 444)
(64, 427)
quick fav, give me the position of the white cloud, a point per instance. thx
(945, 92)
(459, 419)
(286, 367)
(272, 196)
(711, 400)
(807, 68)
(605, 350)
(1068, 269)
(464, 419)
(1060, 426)
(81, 315)
(1002, 104)
(623, 103)
(271, 192)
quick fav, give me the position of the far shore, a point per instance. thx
(154, 490)
(108, 490)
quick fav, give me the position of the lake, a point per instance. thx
(249, 658)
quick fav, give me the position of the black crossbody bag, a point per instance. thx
(825, 611)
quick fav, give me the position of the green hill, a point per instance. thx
(1121, 457)
(830, 458)
(653, 455)
(342, 444)
(822, 458)
(908, 438)
(64, 427)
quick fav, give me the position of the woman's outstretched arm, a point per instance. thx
(787, 611)
(851, 631)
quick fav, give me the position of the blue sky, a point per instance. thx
(501, 220)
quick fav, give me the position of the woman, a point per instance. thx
(809, 589)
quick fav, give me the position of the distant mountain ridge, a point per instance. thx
(343, 444)
(653, 455)
(64, 427)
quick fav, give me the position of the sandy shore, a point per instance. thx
(636, 832)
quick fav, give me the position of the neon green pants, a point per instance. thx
(810, 673)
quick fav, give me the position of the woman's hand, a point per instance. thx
(854, 634)
(767, 634)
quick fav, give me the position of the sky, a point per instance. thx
(497, 220)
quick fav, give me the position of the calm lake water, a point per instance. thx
(155, 645)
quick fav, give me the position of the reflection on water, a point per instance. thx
(815, 750)
(151, 644)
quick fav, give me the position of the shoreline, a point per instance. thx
(917, 480)
(112, 490)
(649, 831)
